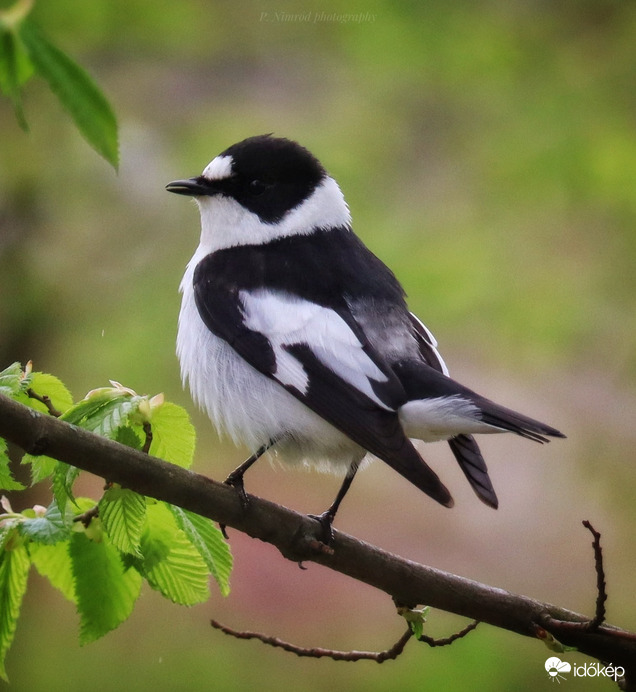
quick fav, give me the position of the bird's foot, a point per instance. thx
(235, 480)
(325, 520)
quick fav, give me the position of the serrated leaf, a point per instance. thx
(49, 529)
(89, 406)
(54, 563)
(76, 90)
(171, 564)
(127, 436)
(7, 481)
(105, 590)
(114, 416)
(8, 528)
(123, 513)
(64, 476)
(11, 380)
(103, 413)
(173, 435)
(209, 542)
(41, 467)
(4, 535)
(14, 569)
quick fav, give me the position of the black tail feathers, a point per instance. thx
(507, 419)
(474, 467)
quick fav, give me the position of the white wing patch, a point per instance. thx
(287, 320)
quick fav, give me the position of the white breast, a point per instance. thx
(246, 405)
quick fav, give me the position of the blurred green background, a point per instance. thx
(488, 153)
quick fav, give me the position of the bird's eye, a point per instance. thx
(257, 187)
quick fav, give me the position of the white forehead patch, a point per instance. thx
(218, 168)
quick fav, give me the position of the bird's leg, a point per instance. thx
(235, 479)
(326, 518)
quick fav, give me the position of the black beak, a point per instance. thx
(193, 187)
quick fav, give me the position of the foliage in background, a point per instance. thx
(98, 552)
(24, 51)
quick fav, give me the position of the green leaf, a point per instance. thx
(173, 435)
(75, 89)
(103, 412)
(416, 617)
(105, 590)
(8, 530)
(123, 513)
(41, 467)
(48, 529)
(127, 436)
(54, 563)
(4, 535)
(7, 481)
(64, 476)
(113, 416)
(15, 70)
(210, 544)
(14, 569)
(11, 380)
(171, 564)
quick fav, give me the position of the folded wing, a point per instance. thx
(318, 355)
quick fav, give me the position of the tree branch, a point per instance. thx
(317, 652)
(294, 534)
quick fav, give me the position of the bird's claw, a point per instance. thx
(326, 531)
(236, 481)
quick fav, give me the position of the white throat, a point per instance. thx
(225, 223)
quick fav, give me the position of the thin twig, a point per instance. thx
(46, 400)
(148, 441)
(92, 513)
(445, 641)
(317, 652)
(601, 597)
(87, 516)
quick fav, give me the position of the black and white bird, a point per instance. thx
(294, 336)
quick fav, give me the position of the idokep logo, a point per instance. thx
(556, 669)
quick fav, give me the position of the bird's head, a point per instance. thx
(262, 188)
